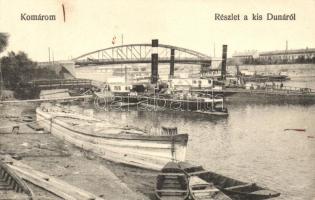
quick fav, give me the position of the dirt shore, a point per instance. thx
(57, 158)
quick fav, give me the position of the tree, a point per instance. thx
(3, 45)
(3, 41)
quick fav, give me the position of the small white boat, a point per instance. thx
(119, 144)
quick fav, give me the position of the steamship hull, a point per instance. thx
(214, 107)
(145, 151)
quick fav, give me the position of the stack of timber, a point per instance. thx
(49, 183)
(12, 186)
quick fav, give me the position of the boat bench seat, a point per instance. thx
(172, 174)
(207, 190)
(4, 184)
(171, 191)
(239, 186)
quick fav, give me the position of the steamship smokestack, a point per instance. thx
(154, 61)
(224, 56)
(172, 63)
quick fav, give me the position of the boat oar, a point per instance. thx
(295, 129)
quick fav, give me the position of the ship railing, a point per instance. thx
(288, 89)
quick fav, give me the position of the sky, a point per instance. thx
(91, 25)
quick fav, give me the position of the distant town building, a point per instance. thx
(245, 57)
(275, 57)
(290, 56)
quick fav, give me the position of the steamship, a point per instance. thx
(184, 102)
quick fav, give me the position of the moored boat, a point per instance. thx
(231, 187)
(126, 145)
(200, 189)
(203, 105)
(172, 183)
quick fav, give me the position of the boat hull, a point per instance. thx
(233, 188)
(239, 189)
(201, 190)
(145, 151)
(201, 107)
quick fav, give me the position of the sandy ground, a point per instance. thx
(60, 159)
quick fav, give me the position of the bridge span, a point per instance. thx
(141, 53)
(135, 61)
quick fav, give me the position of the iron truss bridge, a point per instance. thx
(141, 53)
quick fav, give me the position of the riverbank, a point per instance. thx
(59, 159)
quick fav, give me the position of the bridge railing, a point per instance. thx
(60, 83)
(137, 59)
(141, 60)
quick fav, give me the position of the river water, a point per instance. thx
(251, 144)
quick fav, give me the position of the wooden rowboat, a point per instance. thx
(231, 187)
(113, 142)
(172, 183)
(200, 189)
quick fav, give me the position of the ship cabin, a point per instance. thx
(120, 88)
(190, 84)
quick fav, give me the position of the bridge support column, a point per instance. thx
(172, 63)
(223, 67)
(154, 62)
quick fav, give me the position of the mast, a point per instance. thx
(1, 80)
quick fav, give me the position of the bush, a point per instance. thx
(18, 69)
